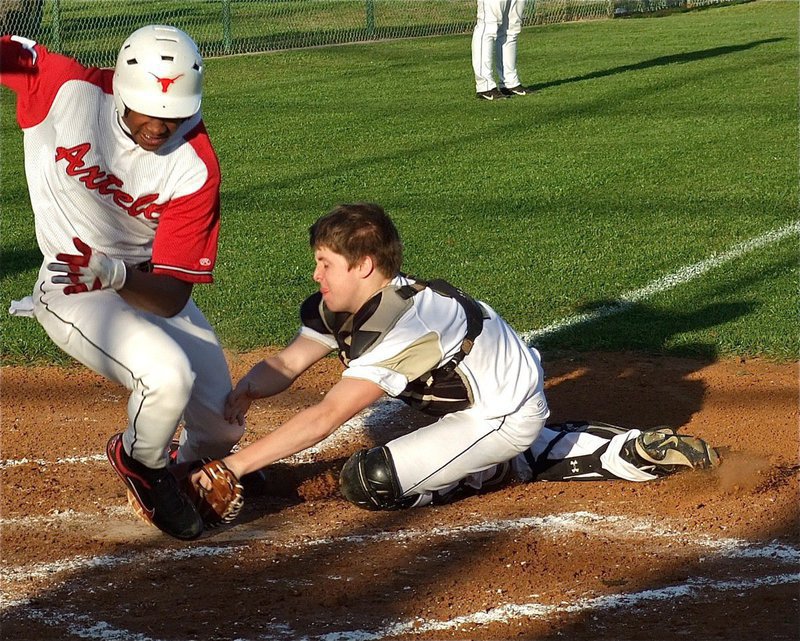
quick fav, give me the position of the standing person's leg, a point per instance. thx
(484, 37)
(103, 332)
(506, 52)
(206, 433)
(100, 330)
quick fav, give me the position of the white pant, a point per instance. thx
(461, 444)
(494, 43)
(173, 367)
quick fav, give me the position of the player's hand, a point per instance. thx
(87, 271)
(238, 402)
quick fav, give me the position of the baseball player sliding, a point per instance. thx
(124, 186)
(445, 354)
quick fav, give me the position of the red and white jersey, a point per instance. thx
(88, 178)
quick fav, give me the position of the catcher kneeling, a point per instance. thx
(445, 354)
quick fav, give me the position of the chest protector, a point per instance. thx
(438, 392)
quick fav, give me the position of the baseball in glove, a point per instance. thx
(215, 491)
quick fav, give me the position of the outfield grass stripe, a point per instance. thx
(680, 277)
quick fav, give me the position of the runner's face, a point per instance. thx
(150, 132)
(338, 284)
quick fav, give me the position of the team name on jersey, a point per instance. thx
(105, 184)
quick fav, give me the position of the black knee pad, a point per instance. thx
(368, 480)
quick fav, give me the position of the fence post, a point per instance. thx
(370, 8)
(227, 40)
(55, 30)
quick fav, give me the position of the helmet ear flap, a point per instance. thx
(159, 72)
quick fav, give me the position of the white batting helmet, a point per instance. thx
(159, 72)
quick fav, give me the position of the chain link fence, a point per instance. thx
(93, 30)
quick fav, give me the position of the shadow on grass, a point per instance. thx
(17, 261)
(661, 61)
(616, 325)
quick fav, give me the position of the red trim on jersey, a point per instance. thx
(185, 245)
(36, 84)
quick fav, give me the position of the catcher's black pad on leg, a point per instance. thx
(657, 451)
(587, 467)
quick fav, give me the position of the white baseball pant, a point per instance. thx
(173, 367)
(494, 43)
(462, 445)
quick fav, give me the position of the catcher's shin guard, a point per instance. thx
(368, 480)
(668, 452)
(550, 464)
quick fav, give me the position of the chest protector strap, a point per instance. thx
(475, 316)
(444, 390)
(438, 392)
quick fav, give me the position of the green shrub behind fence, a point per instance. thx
(92, 30)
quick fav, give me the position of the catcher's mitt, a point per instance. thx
(223, 502)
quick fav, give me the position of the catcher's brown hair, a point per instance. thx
(357, 230)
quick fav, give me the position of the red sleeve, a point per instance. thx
(36, 75)
(185, 245)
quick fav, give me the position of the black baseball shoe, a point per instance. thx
(492, 94)
(519, 90)
(157, 493)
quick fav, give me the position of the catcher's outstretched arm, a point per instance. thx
(344, 400)
(272, 376)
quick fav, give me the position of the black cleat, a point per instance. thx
(492, 94)
(156, 493)
(519, 90)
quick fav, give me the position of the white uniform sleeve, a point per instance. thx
(325, 339)
(389, 381)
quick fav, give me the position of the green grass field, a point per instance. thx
(652, 145)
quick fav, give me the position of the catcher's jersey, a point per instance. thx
(501, 372)
(90, 180)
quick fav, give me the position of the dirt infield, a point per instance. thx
(699, 555)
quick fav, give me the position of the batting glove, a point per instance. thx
(87, 271)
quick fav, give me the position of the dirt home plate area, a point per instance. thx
(703, 556)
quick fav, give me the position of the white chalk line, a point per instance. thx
(533, 610)
(86, 627)
(68, 460)
(18, 574)
(553, 525)
(56, 517)
(371, 419)
(680, 277)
